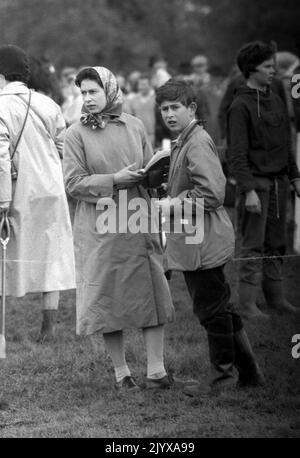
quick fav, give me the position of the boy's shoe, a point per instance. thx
(127, 383)
(209, 389)
(167, 382)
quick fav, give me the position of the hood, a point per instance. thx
(14, 88)
(112, 91)
(261, 98)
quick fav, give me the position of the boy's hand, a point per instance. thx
(164, 205)
(157, 177)
(252, 203)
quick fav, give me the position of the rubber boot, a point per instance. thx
(249, 371)
(47, 333)
(221, 350)
(247, 299)
(273, 291)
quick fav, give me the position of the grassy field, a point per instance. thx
(66, 389)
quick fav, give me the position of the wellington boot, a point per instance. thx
(47, 333)
(247, 300)
(221, 352)
(249, 371)
(274, 295)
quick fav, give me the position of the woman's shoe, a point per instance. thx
(127, 383)
(167, 382)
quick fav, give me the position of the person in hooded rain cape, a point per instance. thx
(40, 255)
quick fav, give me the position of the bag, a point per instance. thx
(14, 172)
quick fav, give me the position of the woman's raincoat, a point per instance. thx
(40, 251)
(120, 275)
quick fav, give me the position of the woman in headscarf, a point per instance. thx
(120, 275)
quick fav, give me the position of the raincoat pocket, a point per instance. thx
(183, 250)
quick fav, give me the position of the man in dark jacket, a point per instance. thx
(262, 162)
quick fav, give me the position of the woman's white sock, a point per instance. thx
(121, 372)
(154, 340)
(156, 370)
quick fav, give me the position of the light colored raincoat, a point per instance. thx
(120, 276)
(40, 251)
(196, 172)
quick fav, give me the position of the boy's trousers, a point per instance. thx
(211, 294)
(264, 234)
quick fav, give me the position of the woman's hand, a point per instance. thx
(4, 206)
(252, 202)
(128, 175)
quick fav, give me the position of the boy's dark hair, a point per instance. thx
(88, 74)
(175, 90)
(253, 54)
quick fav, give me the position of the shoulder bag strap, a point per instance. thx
(23, 126)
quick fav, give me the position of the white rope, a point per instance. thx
(266, 257)
(232, 259)
(25, 260)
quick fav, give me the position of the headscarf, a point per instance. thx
(114, 98)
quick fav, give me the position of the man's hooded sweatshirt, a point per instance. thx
(259, 138)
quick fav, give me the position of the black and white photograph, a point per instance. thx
(149, 222)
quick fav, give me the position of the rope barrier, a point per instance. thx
(266, 257)
(250, 258)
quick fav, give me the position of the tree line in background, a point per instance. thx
(123, 34)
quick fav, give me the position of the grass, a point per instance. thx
(66, 389)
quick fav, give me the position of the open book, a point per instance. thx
(157, 169)
(159, 161)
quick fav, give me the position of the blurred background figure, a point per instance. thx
(129, 88)
(142, 105)
(123, 85)
(184, 71)
(209, 92)
(72, 105)
(159, 75)
(132, 82)
(159, 70)
(200, 75)
(288, 64)
(43, 79)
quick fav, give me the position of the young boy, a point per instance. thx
(262, 162)
(195, 172)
